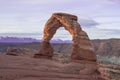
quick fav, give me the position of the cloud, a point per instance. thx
(115, 1)
(96, 33)
(87, 22)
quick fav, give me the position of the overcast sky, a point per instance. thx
(99, 18)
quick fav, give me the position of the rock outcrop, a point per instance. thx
(27, 68)
(107, 47)
(20, 52)
(83, 58)
(82, 48)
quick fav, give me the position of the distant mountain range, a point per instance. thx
(104, 47)
(28, 40)
(17, 40)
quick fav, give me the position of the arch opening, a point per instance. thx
(62, 44)
(61, 34)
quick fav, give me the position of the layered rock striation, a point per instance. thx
(83, 58)
(82, 48)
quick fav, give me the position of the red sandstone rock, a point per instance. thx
(21, 52)
(27, 68)
(83, 58)
(82, 48)
(45, 48)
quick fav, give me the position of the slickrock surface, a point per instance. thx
(26, 68)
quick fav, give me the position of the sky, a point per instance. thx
(99, 18)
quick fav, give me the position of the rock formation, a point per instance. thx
(27, 68)
(20, 52)
(82, 48)
(83, 58)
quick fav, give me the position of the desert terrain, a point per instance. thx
(22, 65)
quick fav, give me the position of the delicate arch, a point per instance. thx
(82, 48)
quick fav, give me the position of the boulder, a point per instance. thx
(21, 52)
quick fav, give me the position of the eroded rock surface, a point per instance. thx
(82, 48)
(83, 58)
(21, 52)
(27, 68)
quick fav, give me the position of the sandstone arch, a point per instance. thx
(82, 48)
